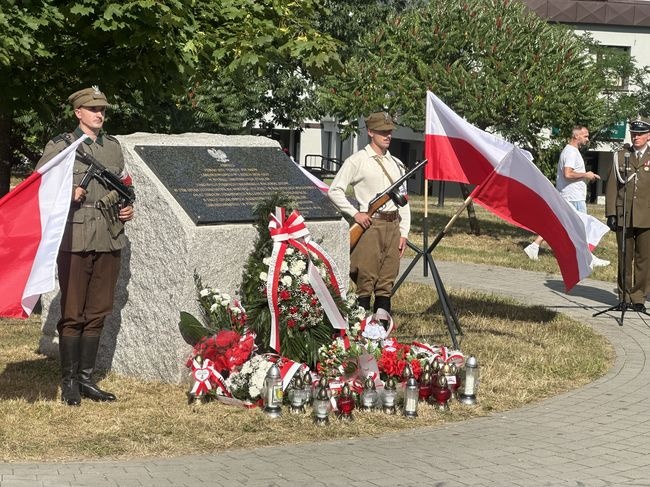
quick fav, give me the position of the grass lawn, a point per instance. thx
(523, 353)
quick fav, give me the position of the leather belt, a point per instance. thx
(388, 216)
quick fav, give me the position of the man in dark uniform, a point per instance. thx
(634, 183)
(89, 257)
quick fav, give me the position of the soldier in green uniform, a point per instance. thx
(89, 257)
(636, 189)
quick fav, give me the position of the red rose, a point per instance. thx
(416, 368)
(305, 288)
(293, 309)
(285, 295)
(291, 323)
(226, 339)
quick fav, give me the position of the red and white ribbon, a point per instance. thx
(292, 231)
(204, 375)
(443, 353)
(288, 369)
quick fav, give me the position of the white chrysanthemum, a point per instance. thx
(305, 279)
(214, 307)
(284, 267)
(289, 251)
(287, 281)
(205, 292)
(323, 272)
(266, 261)
(297, 267)
(263, 276)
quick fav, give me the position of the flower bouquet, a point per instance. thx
(292, 290)
(219, 312)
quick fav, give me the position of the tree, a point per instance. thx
(172, 65)
(498, 65)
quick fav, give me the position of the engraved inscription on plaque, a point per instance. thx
(223, 184)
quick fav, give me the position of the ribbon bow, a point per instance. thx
(204, 374)
(292, 231)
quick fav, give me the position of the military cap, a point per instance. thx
(640, 125)
(88, 97)
(379, 121)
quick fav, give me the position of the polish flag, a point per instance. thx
(510, 186)
(32, 221)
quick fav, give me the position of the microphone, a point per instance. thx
(626, 157)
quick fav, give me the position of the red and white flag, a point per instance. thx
(32, 221)
(510, 186)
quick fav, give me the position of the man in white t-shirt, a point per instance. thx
(571, 183)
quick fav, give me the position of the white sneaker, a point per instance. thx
(532, 251)
(597, 262)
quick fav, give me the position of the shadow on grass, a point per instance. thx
(467, 307)
(31, 380)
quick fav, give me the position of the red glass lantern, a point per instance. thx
(345, 404)
(440, 394)
(425, 386)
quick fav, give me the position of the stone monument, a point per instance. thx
(193, 212)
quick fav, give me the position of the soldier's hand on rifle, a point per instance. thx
(79, 194)
(126, 214)
(402, 246)
(363, 219)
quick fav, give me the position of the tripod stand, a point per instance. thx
(624, 180)
(447, 310)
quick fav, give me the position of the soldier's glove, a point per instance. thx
(612, 223)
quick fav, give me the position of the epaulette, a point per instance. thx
(110, 137)
(65, 137)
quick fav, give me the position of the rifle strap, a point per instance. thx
(379, 160)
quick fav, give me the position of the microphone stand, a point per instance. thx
(622, 305)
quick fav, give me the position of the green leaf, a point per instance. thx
(192, 330)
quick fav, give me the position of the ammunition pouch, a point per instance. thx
(109, 205)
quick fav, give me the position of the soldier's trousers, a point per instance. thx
(374, 263)
(87, 281)
(637, 263)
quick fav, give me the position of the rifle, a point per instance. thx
(97, 170)
(380, 200)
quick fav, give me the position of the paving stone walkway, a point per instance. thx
(598, 435)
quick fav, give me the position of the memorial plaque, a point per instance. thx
(223, 184)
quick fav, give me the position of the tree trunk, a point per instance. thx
(5, 147)
(473, 221)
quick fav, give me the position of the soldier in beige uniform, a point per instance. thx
(637, 218)
(89, 257)
(374, 263)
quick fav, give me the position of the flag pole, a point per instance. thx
(425, 226)
(450, 223)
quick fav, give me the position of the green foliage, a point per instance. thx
(192, 330)
(501, 67)
(172, 66)
(259, 316)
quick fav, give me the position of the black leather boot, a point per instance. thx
(87, 387)
(69, 357)
(364, 302)
(382, 302)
